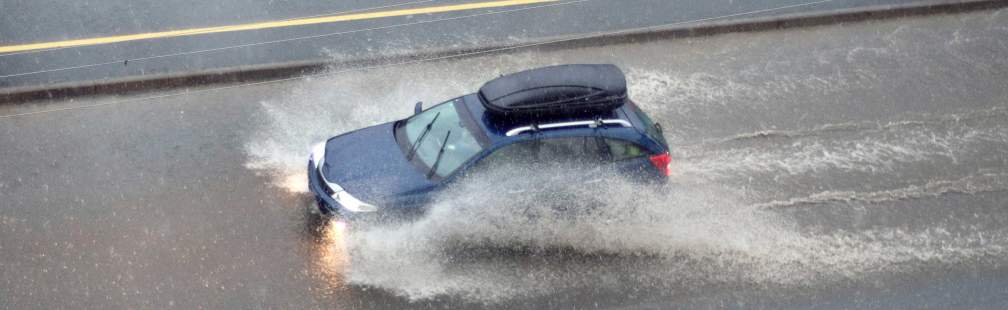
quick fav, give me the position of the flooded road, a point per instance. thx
(857, 165)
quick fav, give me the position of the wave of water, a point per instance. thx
(943, 119)
(971, 185)
(848, 147)
(662, 236)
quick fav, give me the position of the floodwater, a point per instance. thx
(858, 165)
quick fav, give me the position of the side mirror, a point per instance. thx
(418, 108)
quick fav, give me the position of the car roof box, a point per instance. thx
(556, 90)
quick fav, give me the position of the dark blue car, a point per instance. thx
(560, 113)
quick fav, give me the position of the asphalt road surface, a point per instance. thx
(27, 22)
(856, 165)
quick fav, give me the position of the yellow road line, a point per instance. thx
(267, 25)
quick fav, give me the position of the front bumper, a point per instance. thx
(326, 204)
(331, 197)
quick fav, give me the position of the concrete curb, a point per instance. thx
(244, 74)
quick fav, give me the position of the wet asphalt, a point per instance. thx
(859, 165)
(45, 21)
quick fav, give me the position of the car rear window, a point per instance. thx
(652, 129)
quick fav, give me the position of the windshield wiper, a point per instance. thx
(413, 147)
(439, 153)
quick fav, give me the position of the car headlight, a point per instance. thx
(352, 203)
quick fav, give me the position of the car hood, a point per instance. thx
(369, 165)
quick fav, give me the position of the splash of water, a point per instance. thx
(848, 147)
(971, 185)
(659, 236)
(480, 244)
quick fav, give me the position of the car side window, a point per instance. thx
(567, 150)
(621, 149)
(521, 152)
(571, 150)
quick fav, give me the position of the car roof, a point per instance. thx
(496, 128)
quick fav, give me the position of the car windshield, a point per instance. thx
(425, 144)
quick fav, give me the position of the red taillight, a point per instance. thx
(663, 162)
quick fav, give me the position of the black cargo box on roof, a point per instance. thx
(564, 89)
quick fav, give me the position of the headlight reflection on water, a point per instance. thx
(331, 259)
